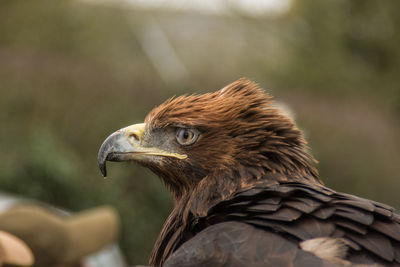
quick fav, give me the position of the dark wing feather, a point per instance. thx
(396, 247)
(263, 207)
(301, 229)
(306, 205)
(238, 244)
(350, 225)
(299, 211)
(355, 214)
(388, 228)
(324, 212)
(284, 214)
(375, 243)
(357, 202)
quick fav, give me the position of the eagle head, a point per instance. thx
(232, 137)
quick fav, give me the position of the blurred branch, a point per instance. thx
(160, 52)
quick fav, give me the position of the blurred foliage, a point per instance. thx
(71, 73)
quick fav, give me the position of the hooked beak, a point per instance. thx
(126, 145)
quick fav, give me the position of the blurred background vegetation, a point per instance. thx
(72, 72)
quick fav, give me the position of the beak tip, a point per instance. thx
(103, 168)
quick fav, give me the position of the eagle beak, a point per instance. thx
(126, 145)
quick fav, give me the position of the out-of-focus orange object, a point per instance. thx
(14, 251)
(56, 237)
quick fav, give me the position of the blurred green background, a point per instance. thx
(72, 72)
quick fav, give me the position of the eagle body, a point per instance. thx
(246, 190)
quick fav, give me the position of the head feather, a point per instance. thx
(241, 129)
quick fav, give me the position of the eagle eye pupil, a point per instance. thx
(185, 136)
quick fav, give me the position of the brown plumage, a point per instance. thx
(246, 190)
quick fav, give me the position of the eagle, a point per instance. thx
(246, 190)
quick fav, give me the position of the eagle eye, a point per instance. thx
(186, 136)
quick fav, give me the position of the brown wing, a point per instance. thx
(299, 212)
(237, 244)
